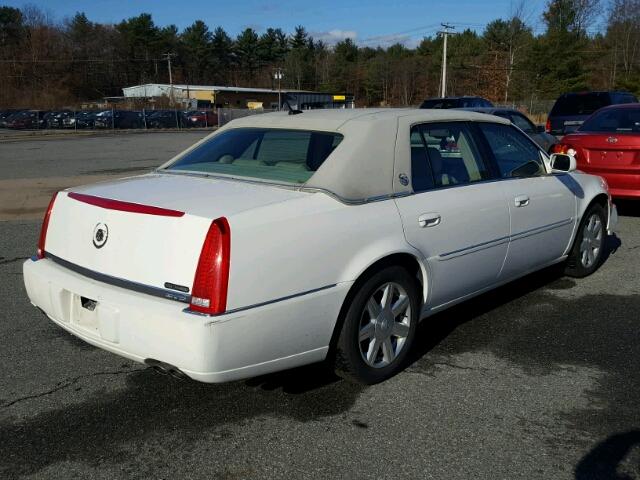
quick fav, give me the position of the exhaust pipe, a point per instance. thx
(166, 369)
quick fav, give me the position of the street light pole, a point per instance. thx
(168, 58)
(278, 76)
(445, 33)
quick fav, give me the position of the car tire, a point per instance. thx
(587, 253)
(374, 339)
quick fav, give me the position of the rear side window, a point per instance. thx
(618, 120)
(515, 154)
(442, 155)
(580, 104)
(421, 173)
(286, 156)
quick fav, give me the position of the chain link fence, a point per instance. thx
(69, 119)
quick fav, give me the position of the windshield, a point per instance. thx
(580, 104)
(288, 156)
(618, 120)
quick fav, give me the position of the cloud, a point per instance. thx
(334, 36)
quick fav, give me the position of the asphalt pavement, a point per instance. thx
(536, 380)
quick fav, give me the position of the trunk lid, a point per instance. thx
(158, 246)
(607, 151)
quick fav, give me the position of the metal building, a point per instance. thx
(202, 96)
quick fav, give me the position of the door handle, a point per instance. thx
(521, 201)
(429, 220)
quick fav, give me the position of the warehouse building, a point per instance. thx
(212, 96)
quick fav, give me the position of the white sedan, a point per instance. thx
(286, 239)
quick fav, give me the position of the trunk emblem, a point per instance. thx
(100, 235)
(612, 140)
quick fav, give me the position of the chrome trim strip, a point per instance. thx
(120, 282)
(261, 304)
(499, 241)
(544, 228)
(473, 248)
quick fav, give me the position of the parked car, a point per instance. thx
(27, 119)
(608, 144)
(282, 240)
(572, 109)
(201, 118)
(119, 119)
(87, 118)
(165, 119)
(537, 133)
(456, 102)
(5, 115)
(56, 119)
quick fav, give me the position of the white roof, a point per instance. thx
(362, 167)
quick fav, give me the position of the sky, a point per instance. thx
(370, 23)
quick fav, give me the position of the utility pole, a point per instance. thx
(278, 76)
(167, 57)
(445, 33)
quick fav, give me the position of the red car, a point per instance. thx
(201, 118)
(608, 144)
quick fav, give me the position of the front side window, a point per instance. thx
(446, 156)
(515, 154)
(282, 156)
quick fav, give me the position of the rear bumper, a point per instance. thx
(624, 193)
(251, 342)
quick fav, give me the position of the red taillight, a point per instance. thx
(45, 226)
(565, 148)
(209, 292)
(547, 126)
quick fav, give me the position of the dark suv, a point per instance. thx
(572, 109)
(456, 102)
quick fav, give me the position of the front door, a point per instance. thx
(542, 206)
(457, 219)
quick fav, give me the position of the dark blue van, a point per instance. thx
(572, 109)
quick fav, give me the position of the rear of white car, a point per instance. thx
(150, 283)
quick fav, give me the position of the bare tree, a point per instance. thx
(623, 30)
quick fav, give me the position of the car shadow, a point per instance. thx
(435, 329)
(603, 461)
(628, 208)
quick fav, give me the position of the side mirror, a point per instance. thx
(540, 129)
(562, 162)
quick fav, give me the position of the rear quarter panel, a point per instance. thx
(307, 243)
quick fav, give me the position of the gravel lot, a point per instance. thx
(539, 379)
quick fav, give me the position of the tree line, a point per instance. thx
(49, 63)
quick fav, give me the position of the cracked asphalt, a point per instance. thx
(538, 379)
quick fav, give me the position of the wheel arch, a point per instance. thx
(407, 260)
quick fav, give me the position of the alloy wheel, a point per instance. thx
(384, 325)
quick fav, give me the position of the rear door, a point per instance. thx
(542, 206)
(457, 218)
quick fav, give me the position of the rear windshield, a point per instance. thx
(580, 104)
(283, 156)
(618, 120)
